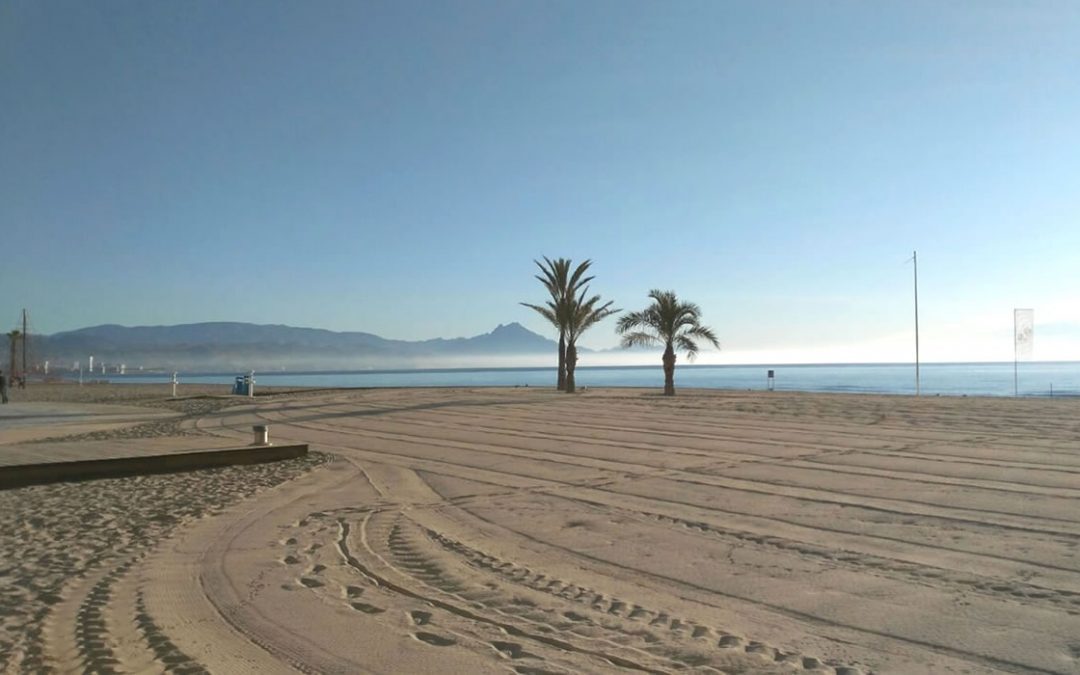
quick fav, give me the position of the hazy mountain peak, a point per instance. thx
(513, 328)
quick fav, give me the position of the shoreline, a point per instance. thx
(1036, 379)
(159, 395)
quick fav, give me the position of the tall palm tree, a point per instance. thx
(582, 314)
(667, 321)
(562, 285)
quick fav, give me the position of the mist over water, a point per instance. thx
(959, 379)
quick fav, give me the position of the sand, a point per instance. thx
(521, 530)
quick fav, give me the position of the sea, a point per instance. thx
(1045, 378)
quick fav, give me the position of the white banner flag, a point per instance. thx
(1024, 326)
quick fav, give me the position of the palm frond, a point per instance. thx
(553, 275)
(584, 312)
(685, 344)
(549, 312)
(577, 281)
(705, 333)
(638, 339)
(630, 321)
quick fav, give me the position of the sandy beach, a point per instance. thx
(525, 531)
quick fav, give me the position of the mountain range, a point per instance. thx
(243, 346)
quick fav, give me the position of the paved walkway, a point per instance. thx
(37, 453)
(23, 421)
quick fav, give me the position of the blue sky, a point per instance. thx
(395, 167)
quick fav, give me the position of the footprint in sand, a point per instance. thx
(762, 650)
(512, 650)
(729, 642)
(353, 591)
(436, 640)
(366, 608)
(574, 616)
(291, 560)
(420, 618)
(311, 583)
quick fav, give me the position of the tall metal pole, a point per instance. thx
(915, 259)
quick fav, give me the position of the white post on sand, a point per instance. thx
(262, 434)
(251, 386)
(174, 381)
(80, 375)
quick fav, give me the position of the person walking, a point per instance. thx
(3, 387)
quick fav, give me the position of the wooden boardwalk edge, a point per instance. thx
(22, 475)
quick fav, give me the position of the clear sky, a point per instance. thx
(395, 167)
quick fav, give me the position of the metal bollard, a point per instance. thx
(262, 435)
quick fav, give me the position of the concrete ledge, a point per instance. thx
(21, 475)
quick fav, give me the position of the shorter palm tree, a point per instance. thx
(581, 314)
(667, 321)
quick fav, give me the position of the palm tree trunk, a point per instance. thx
(13, 338)
(562, 361)
(571, 362)
(669, 371)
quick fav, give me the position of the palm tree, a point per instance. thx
(582, 314)
(670, 322)
(13, 340)
(562, 285)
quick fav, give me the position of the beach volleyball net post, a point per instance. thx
(1023, 342)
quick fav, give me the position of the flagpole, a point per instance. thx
(1016, 359)
(915, 259)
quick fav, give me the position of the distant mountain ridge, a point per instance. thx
(235, 345)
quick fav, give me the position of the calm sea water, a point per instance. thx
(953, 379)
